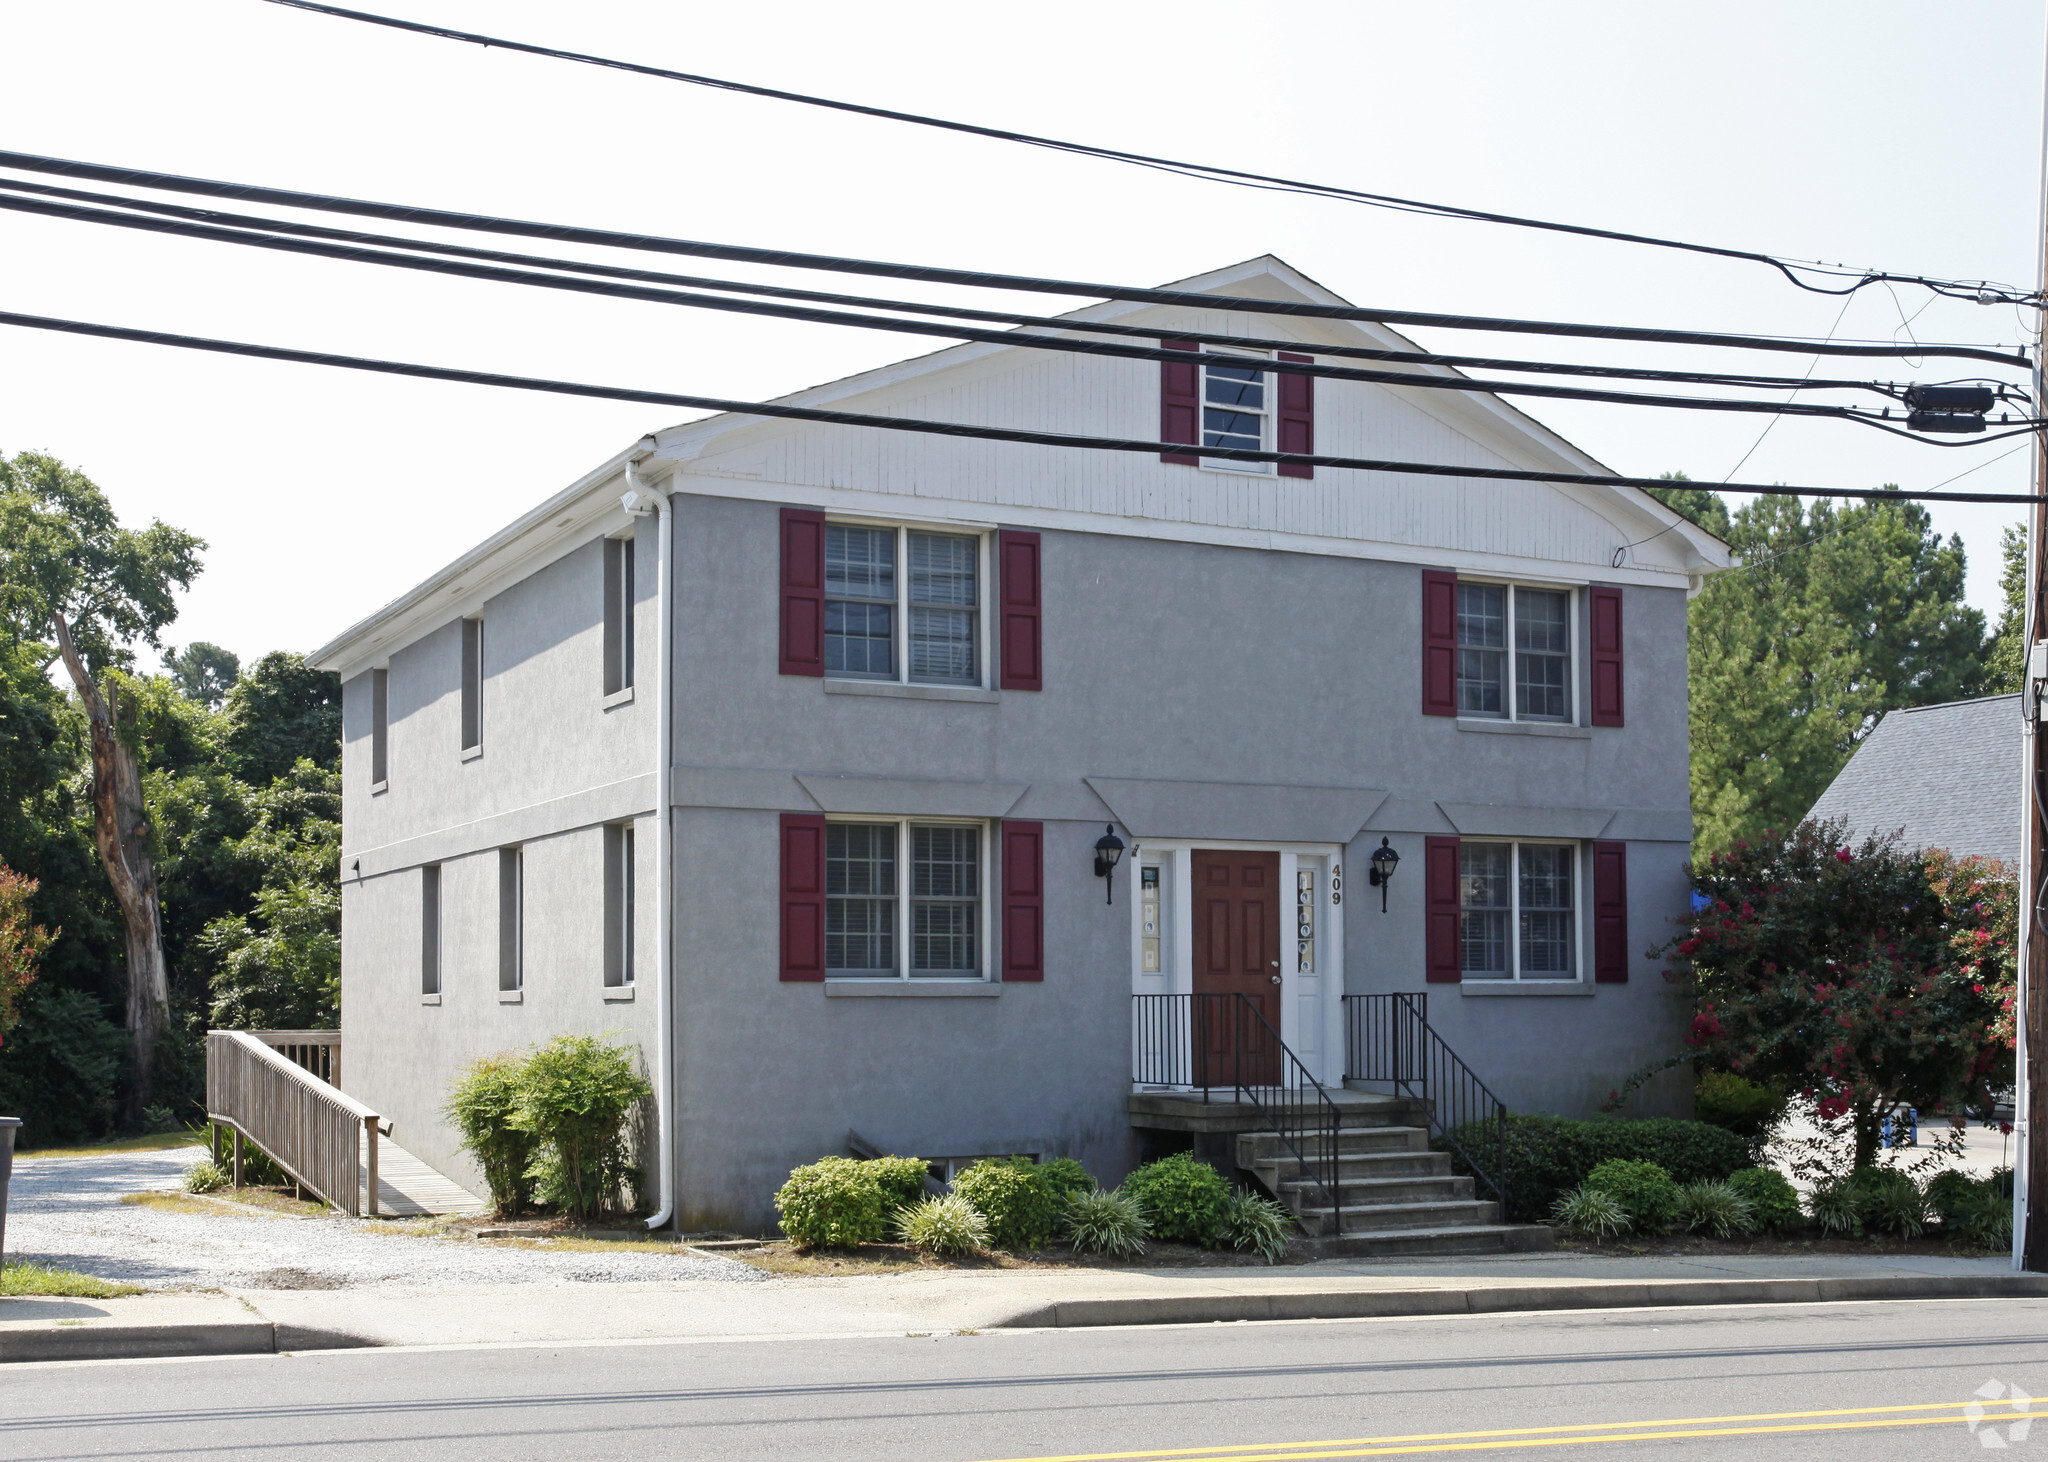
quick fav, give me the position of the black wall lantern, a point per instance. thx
(1108, 848)
(1384, 861)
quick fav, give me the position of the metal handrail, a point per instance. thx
(1173, 1045)
(324, 1139)
(1388, 1039)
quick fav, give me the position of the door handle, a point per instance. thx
(1276, 979)
(1274, 963)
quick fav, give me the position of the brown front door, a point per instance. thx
(1237, 952)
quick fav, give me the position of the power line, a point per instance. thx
(775, 409)
(1980, 290)
(981, 279)
(1737, 380)
(810, 314)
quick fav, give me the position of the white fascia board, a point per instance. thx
(575, 514)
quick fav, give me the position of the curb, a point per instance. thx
(1495, 1299)
(155, 1342)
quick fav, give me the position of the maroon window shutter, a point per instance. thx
(1297, 417)
(803, 896)
(1439, 643)
(1445, 942)
(1180, 402)
(1610, 913)
(1023, 900)
(1018, 638)
(1604, 609)
(803, 592)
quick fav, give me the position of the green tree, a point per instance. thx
(73, 580)
(276, 963)
(1835, 615)
(280, 712)
(2005, 657)
(203, 672)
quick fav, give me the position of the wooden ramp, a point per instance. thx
(408, 1188)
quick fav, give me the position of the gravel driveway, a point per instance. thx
(67, 1211)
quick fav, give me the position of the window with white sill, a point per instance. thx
(905, 900)
(1514, 652)
(1518, 910)
(903, 605)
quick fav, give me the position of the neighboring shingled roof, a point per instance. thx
(1949, 775)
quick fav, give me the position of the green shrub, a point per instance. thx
(1890, 1202)
(1645, 1192)
(1748, 1109)
(1257, 1222)
(1066, 1178)
(1715, 1208)
(1772, 1202)
(1013, 1194)
(1974, 1212)
(1187, 1200)
(901, 1180)
(1107, 1223)
(834, 1201)
(60, 1068)
(945, 1226)
(1547, 1156)
(1590, 1213)
(480, 1108)
(205, 1176)
(575, 1094)
(1837, 1207)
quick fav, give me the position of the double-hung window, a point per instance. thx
(905, 900)
(1517, 910)
(1514, 652)
(1236, 409)
(903, 604)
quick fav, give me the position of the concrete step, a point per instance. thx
(1492, 1238)
(1315, 1219)
(1256, 1147)
(1369, 1192)
(1364, 1165)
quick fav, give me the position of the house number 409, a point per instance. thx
(1336, 883)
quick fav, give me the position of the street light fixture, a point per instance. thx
(1108, 848)
(1384, 861)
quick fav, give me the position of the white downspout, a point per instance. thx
(639, 499)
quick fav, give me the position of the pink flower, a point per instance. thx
(1844, 856)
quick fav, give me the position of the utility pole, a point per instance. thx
(2030, 1095)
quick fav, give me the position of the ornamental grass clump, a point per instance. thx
(945, 1227)
(1022, 1205)
(480, 1108)
(574, 1095)
(1890, 1202)
(1112, 1223)
(1189, 1202)
(1974, 1212)
(1838, 1208)
(1590, 1213)
(1715, 1208)
(1645, 1192)
(205, 1176)
(1773, 1205)
(1258, 1223)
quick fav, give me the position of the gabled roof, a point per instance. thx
(1946, 776)
(590, 504)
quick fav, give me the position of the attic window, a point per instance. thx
(1236, 410)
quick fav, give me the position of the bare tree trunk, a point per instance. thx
(121, 833)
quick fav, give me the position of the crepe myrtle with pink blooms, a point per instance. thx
(1860, 977)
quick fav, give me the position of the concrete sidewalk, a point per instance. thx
(245, 1320)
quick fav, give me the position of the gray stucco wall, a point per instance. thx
(1163, 661)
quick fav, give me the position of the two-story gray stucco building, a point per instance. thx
(805, 734)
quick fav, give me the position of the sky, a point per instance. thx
(1887, 134)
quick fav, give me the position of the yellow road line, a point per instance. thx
(1563, 1435)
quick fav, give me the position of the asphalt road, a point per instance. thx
(1866, 1382)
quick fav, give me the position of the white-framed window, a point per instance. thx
(1237, 411)
(904, 604)
(906, 899)
(1515, 651)
(1518, 910)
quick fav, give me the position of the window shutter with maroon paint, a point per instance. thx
(1443, 964)
(1018, 637)
(1180, 403)
(1610, 913)
(803, 896)
(1023, 900)
(803, 592)
(1297, 417)
(1603, 607)
(1439, 643)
